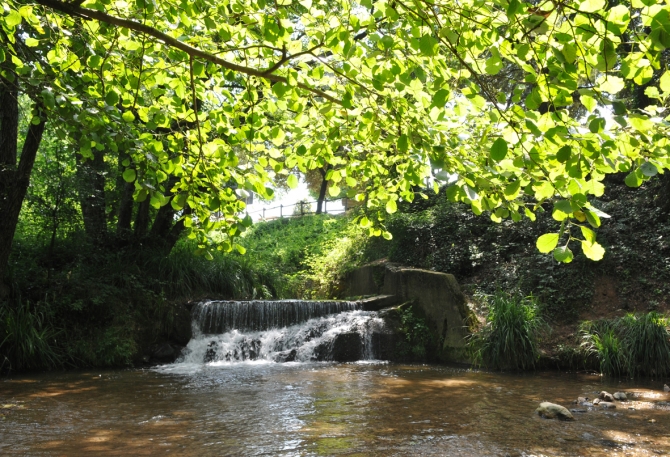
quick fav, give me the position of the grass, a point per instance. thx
(509, 340)
(633, 345)
(27, 341)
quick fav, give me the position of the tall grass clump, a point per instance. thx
(509, 340)
(633, 345)
(27, 341)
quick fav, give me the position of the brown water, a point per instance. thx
(314, 409)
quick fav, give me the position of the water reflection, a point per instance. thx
(315, 409)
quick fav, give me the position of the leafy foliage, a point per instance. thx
(636, 345)
(311, 254)
(200, 102)
(113, 304)
(419, 341)
(27, 340)
(509, 340)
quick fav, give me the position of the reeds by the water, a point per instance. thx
(633, 345)
(509, 340)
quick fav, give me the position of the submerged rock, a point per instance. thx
(607, 404)
(285, 356)
(553, 411)
(621, 396)
(606, 396)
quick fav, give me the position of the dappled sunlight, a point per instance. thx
(327, 409)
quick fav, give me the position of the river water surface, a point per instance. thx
(314, 409)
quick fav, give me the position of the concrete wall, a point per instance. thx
(437, 295)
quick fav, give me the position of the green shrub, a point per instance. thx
(633, 345)
(509, 340)
(27, 341)
(418, 338)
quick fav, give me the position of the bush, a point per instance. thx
(419, 340)
(633, 345)
(509, 340)
(26, 340)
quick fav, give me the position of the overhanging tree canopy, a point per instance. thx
(204, 100)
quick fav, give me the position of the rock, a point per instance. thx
(596, 401)
(607, 404)
(606, 396)
(285, 356)
(436, 295)
(554, 411)
(621, 396)
(346, 347)
(164, 353)
(182, 326)
(582, 400)
(666, 388)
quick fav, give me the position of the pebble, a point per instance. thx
(621, 396)
(606, 396)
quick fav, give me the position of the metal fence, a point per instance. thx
(302, 208)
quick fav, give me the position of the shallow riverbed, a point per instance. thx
(305, 409)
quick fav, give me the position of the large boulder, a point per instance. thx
(553, 411)
(346, 347)
(182, 325)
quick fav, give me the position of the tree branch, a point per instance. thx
(85, 13)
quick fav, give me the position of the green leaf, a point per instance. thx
(597, 125)
(563, 254)
(592, 218)
(512, 190)
(428, 45)
(112, 98)
(589, 235)
(611, 84)
(591, 6)
(499, 149)
(391, 206)
(563, 154)
(493, 64)
(387, 235)
(593, 250)
(403, 143)
(128, 116)
(547, 242)
(440, 98)
(648, 169)
(13, 18)
(129, 175)
(334, 190)
(634, 179)
(664, 82)
(292, 181)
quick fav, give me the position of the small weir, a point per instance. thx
(283, 331)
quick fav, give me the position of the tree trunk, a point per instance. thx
(92, 195)
(142, 219)
(14, 180)
(123, 230)
(322, 190)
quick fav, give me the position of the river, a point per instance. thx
(319, 408)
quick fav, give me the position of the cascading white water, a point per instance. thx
(282, 331)
(214, 317)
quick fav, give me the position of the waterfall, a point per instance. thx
(282, 331)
